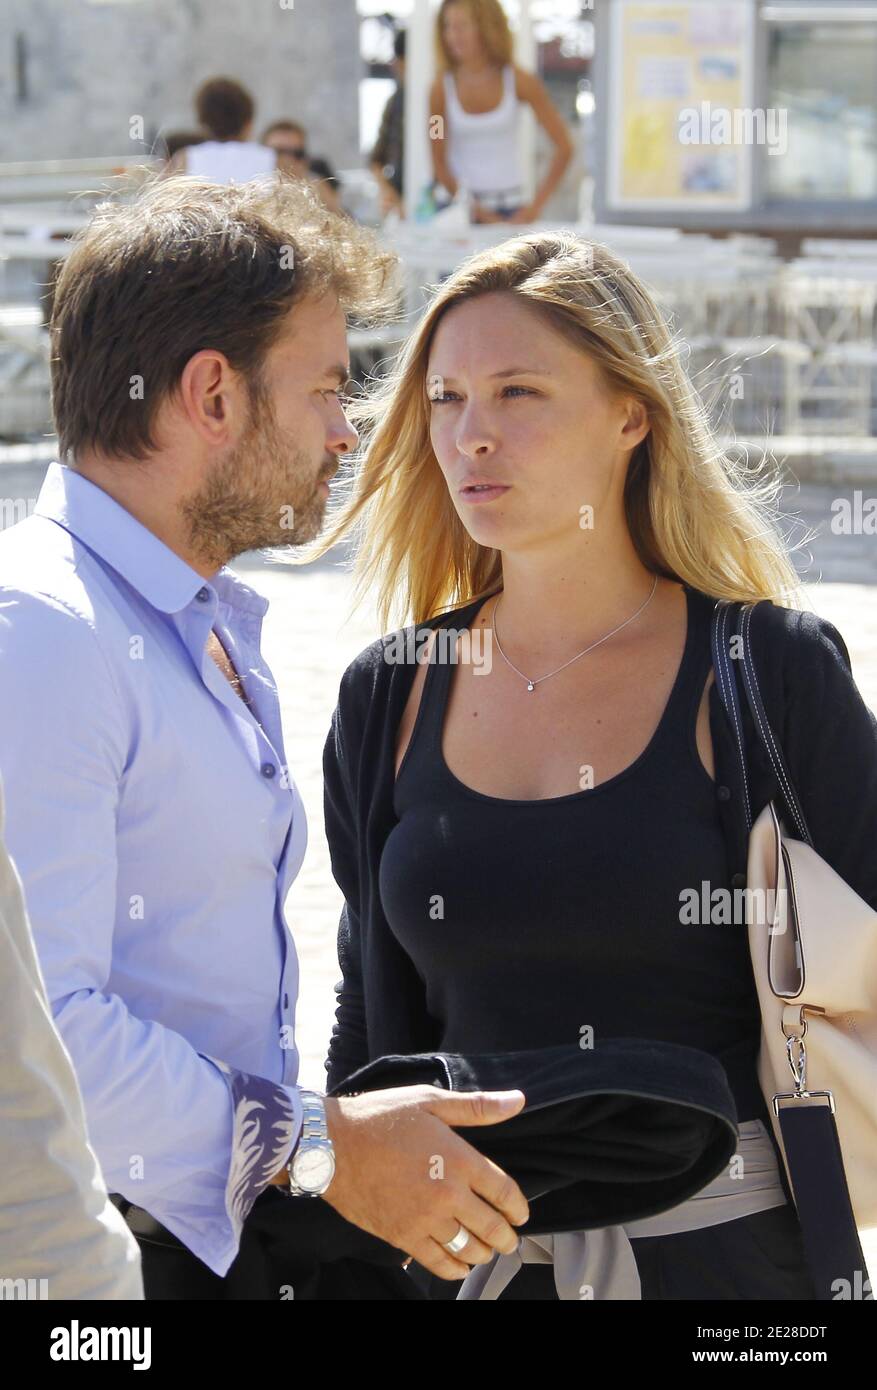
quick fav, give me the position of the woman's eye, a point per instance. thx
(445, 398)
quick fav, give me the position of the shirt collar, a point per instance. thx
(133, 551)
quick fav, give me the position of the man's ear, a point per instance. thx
(210, 395)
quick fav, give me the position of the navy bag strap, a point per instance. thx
(733, 620)
(810, 1138)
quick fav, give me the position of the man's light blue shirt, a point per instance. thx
(157, 831)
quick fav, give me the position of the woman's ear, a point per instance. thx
(636, 424)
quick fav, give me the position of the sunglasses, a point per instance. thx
(293, 151)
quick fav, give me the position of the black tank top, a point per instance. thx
(533, 922)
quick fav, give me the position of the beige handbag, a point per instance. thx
(813, 943)
(815, 966)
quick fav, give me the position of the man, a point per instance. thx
(225, 112)
(289, 142)
(198, 347)
(60, 1236)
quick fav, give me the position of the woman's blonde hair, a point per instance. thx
(693, 513)
(491, 21)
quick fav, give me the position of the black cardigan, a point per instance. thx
(826, 731)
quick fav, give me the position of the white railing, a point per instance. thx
(59, 181)
(796, 341)
(801, 336)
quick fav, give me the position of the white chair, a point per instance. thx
(834, 317)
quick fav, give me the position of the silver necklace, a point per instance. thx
(532, 682)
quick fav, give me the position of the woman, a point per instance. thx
(477, 98)
(514, 833)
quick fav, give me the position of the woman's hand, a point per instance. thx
(404, 1175)
(480, 213)
(529, 213)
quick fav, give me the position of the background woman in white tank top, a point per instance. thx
(479, 93)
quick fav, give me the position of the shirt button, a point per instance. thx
(203, 595)
(738, 881)
(723, 793)
(268, 769)
(286, 1001)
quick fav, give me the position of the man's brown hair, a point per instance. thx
(224, 107)
(290, 127)
(188, 265)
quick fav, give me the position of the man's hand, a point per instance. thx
(403, 1174)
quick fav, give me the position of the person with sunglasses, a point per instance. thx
(289, 140)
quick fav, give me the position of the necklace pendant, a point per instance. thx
(530, 685)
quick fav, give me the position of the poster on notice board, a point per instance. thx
(681, 121)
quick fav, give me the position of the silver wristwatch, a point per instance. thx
(312, 1166)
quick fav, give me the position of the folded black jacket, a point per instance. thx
(606, 1136)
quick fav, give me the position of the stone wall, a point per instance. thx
(75, 72)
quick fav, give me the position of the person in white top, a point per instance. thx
(478, 95)
(60, 1235)
(225, 109)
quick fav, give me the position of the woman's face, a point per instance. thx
(515, 405)
(460, 33)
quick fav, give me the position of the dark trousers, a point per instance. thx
(279, 1258)
(290, 1249)
(752, 1257)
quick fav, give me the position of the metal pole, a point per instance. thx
(526, 57)
(419, 69)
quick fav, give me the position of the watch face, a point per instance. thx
(313, 1169)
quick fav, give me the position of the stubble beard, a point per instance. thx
(250, 501)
